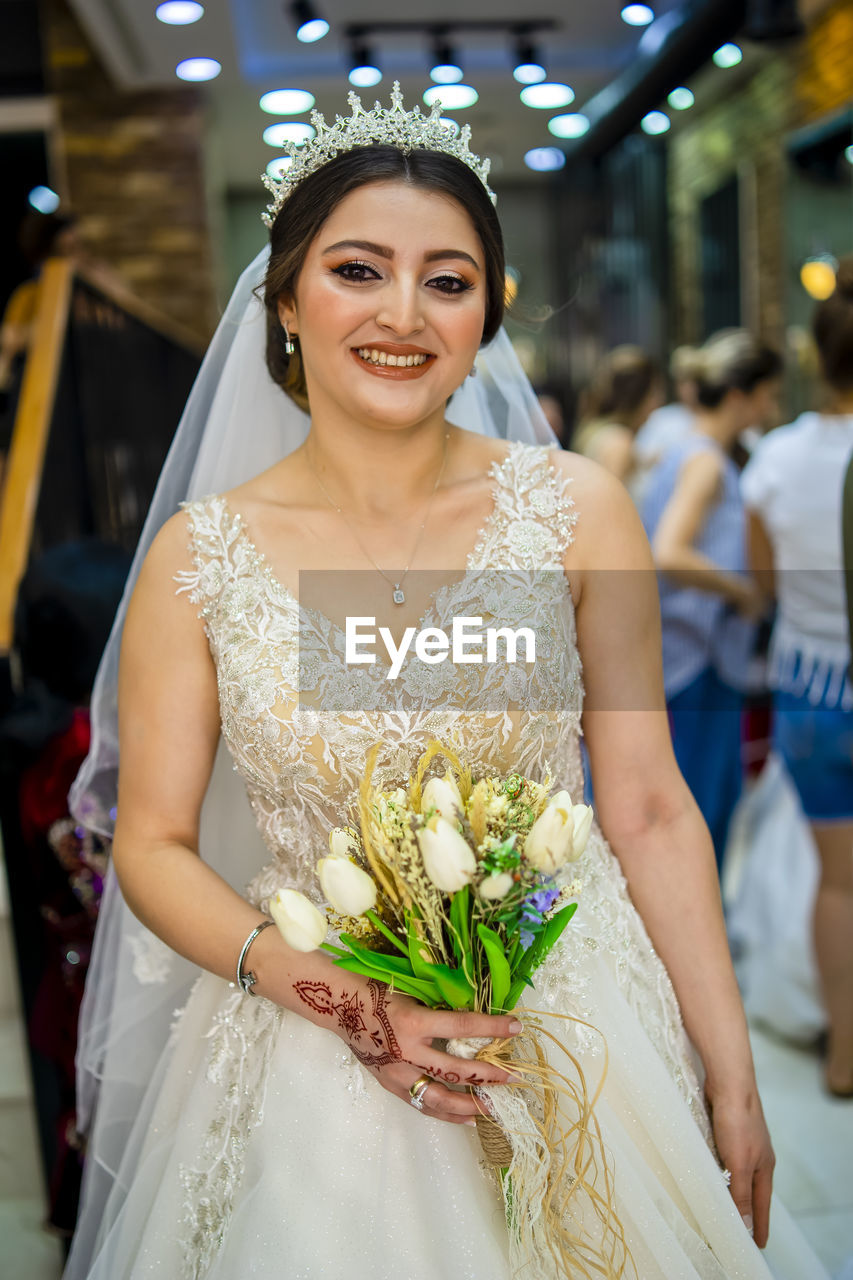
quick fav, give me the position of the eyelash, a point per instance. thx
(458, 284)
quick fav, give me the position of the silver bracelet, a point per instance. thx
(247, 980)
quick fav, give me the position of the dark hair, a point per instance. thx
(732, 360)
(621, 383)
(315, 199)
(832, 327)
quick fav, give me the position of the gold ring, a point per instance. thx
(417, 1091)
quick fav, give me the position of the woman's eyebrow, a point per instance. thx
(383, 251)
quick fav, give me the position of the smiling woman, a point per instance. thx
(296, 1115)
(313, 202)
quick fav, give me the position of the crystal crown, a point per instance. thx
(407, 130)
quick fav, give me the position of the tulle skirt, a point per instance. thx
(265, 1150)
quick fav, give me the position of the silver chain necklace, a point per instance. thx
(397, 593)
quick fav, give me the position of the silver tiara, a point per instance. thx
(407, 130)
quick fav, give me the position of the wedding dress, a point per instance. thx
(264, 1148)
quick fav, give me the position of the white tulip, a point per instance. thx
(495, 887)
(549, 843)
(448, 859)
(442, 795)
(582, 819)
(299, 922)
(350, 890)
(342, 843)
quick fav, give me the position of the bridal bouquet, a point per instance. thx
(454, 890)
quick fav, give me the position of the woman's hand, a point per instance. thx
(743, 1143)
(392, 1036)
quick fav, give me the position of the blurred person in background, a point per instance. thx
(694, 516)
(792, 488)
(668, 424)
(626, 387)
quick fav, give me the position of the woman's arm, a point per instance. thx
(653, 824)
(697, 490)
(168, 733)
(761, 556)
(613, 449)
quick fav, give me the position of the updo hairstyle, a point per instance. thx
(730, 361)
(832, 327)
(315, 199)
(620, 386)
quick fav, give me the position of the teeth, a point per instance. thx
(372, 356)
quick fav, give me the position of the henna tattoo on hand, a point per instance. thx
(453, 1077)
(350, 1012)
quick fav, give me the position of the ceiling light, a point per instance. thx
(655, 122)
(728, 55)
(275, 135)
(638, 15)
(817, 276)
(573, 125)
(453, 97)
(547, 96)
(364, 73)
(452, 126)
(276, 168)
(179, 13)
(198, 69)
(310, 27)
(528, 69)
(544, 159)
(445, 69)
(286, 102)
(680, 99)
(848, 154)
(43, 199)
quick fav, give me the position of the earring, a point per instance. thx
(473, 372)
(289, 343)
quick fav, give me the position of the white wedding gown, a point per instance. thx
(265, 1149)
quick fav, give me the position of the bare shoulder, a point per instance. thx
(608, 533)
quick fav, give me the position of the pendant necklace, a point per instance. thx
(398, 595)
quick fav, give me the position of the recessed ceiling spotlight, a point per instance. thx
(453, 97)
(198, 69)
(363, 73)
(572, 125)
(545, 159)
(445, 68)
(279, 166)
(275, 135)
(43, 199)
(848, 154)
(655, 122)
(680, 99)
(310, 27)
(818, 276)
(528, 69)
(286, 102)
(547, 96)
(638, 15)
(179, 13)
(728, 55)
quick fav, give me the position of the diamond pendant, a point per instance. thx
(398, 595)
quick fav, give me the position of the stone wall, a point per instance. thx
(744, 132)
(131, 166)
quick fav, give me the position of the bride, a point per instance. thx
(273, 1134)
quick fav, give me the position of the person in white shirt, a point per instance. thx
(792, 488)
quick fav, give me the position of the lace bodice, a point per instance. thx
(299, 722)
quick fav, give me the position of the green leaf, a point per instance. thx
(498, 966)
(421, 966)
(460, 930)
(397, 964)
(455, 988)
(426, 992)
(378, 924)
